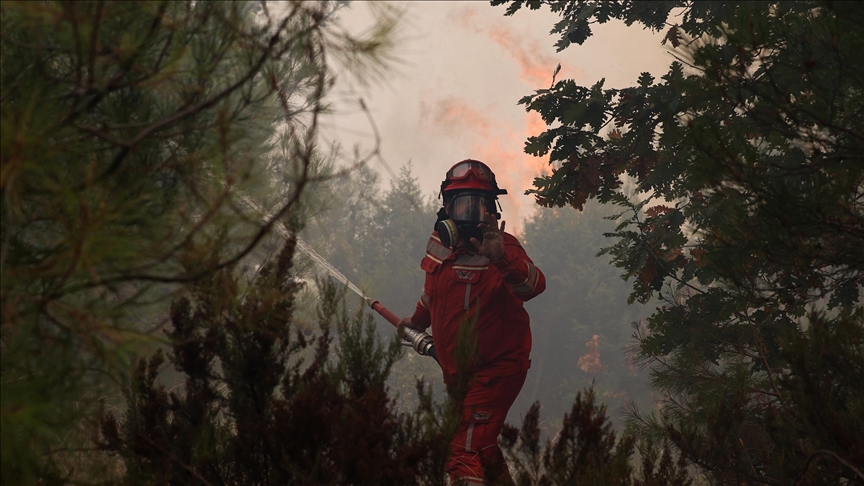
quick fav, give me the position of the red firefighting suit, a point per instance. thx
(462, 286)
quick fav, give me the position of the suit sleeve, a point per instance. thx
(422, 317)
(525, 280)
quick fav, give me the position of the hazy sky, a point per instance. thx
(461, 69)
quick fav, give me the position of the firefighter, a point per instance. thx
(477, 275)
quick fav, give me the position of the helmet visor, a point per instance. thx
(480, 169)
(468, 207)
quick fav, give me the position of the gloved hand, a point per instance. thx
(407, 322)
(492, 246)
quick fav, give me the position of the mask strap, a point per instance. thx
(442, 215)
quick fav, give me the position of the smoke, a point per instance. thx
(499, 142)
(535, 67)
(452, 116)
(496, 143)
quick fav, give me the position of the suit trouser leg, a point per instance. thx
(483, 413)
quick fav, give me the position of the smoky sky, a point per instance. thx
(456, 74)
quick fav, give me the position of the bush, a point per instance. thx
(252, 410)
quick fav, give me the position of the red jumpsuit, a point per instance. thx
(462, 286)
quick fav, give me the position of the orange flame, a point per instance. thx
(590, 363)
(535, 67)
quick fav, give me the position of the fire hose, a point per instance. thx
(421, 341)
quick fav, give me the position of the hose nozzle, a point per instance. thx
(421, 341)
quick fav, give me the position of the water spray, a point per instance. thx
(421, 341)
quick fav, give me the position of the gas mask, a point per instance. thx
(467, 210)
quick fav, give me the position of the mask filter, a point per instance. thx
(447, 232)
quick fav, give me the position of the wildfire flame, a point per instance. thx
(590, 363)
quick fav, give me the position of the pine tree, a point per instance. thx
(128, 131)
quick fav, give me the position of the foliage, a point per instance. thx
(586, 451)
(128, 131)
(574, 313)
(249, 409)
(741, 180)
(251, 412)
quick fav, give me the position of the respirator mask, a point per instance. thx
(470, 192)
(467, 210)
